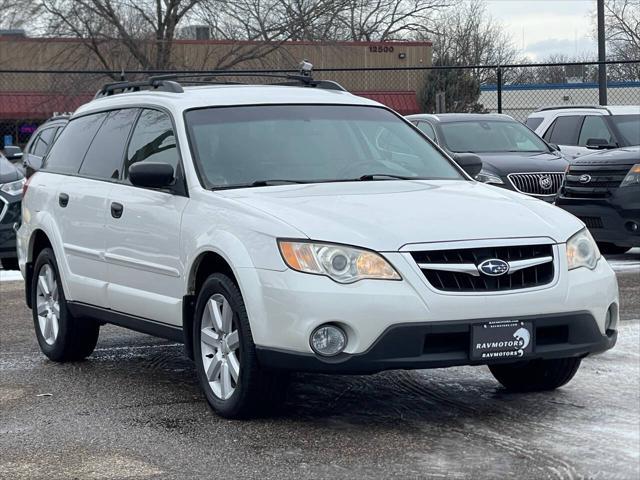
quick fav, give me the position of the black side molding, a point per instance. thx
(27, 283)
(188, 311)
(139, 324)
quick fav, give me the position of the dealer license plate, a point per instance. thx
(501, 340)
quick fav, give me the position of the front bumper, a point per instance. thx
(9, 215)
(285, 307)
(608, 219)
(447, 344)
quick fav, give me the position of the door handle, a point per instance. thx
(63, 199)
(116, 209)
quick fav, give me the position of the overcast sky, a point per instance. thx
(543, 27)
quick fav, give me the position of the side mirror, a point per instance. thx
(31, 164)
(599, 143)
(469, 162)
(12, 152)
(151, 174)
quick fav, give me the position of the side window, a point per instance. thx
(43, 142)
(68, 151)
(106, 153)
(534, 122)
(153, 140)
(427, 129)
(564, 130)
(594, 127)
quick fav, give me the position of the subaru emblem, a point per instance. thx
(493, 267)
(584, 178)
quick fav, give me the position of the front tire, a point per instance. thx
(62, 337)
(228, 371)
(536, 375)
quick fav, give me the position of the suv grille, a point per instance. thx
(456, 270)
(537, 183)
(593, 180)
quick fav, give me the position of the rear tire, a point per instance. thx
(536, 375)
(611, 249)
(228, 371)
(62, 337)
(10, 264)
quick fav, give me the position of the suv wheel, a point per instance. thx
(536, 375)
(227, 367)
(611, 249)
(62, 337)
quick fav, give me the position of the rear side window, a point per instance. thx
(153, 140)
(106, 153)
(42, 143)
(564, 130)
(533, 122)
(68, 151)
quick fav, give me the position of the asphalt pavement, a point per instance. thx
(134, 410)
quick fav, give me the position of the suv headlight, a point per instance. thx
(487, 177)
(582, 251)
(338, 262)
(633, 177)
(13, 188)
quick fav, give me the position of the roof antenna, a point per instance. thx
(306, 68)
(122, 77)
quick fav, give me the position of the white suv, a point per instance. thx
(279, 228)
(580, 130)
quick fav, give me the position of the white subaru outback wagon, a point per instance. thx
(276, 228)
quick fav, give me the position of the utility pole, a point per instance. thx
(602, 56)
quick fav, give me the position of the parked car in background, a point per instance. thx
(581, 130)
(318, 231)
(11, 183)
(513, 157)
(40, 143)
(603, 190)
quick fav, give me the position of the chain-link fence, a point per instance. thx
(27, 98)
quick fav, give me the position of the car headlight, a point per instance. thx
(487, 177)
(582, 251)
(338, 262)
(13, 188)
(633, 177)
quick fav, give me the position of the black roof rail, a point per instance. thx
(170, 82)
(127, 87)
(568, 107)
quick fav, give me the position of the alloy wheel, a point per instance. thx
(220, 343)
(48, 304)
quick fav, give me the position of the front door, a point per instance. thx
(143, 253)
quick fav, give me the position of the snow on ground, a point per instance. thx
(10, 275)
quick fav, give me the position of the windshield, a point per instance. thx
(629, 128)
(238, 146)
(482, 136)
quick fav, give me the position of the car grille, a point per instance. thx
(598, 181)
(537, 183)
(455, 270)
(592, 222)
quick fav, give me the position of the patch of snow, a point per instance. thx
(10, 275)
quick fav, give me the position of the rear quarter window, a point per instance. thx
(533, 122)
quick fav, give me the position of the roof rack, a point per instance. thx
(170, 82)
(568, 107)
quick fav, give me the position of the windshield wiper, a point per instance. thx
(258, 183)
(375, 176)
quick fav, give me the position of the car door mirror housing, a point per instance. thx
(151, 174)
(31, 164)
(599, 143)
(12, 152)
(469, 162)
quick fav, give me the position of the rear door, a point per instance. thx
(143, 229)
(77, 206)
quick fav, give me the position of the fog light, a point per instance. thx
(328, 340)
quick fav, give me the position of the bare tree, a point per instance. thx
(623, 28)
(15, 13)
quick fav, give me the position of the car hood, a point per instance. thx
(385, 215)
(510, 162)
